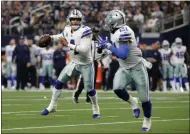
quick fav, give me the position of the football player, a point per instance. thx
(178, 53)
(47, 66)
(78, 38)
(98, 54)
(11, 67)
(123, 45)
(165, 52)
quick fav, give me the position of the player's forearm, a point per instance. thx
(56, 37)
(122, 52)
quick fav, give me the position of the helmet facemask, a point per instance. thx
(75, 16)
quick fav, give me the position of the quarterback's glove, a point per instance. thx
(103, 43)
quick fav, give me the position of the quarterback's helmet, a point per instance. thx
(165, 44)
(75, 14)
(115, 19)
(178, 42)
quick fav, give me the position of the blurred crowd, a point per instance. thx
(52, 19)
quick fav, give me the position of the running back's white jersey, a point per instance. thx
(165, 55)
(178, 54)
(75, 38)
(47, 56)
(135, 54)
(9, 52)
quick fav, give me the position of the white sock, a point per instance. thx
(133, 101)
(177, 86)
(95, 106)
(164, 85)
(173, 85)
(55, 96)
(9, 83)
(187, 86)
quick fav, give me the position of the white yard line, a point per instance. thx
(82, 98)
(98, 90)
(25, 114)
(84, 110)
(64, 115)
(155, 102)
(95, 124)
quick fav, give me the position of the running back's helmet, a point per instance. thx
(75, 14)
(115, 19)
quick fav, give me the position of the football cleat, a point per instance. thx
(135, 108)
(46, 112)
(96, 116)
(75, 100)
(146, 124)
(88, 102)
(136, 112)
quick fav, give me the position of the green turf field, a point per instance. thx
(21, 114)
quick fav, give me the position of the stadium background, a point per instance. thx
(151, 21)
(21, 110)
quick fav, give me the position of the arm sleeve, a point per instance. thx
(57, 37)
(85, 45)
(122, 52)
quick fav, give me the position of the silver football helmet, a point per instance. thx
(178, 42)
(165, 44)
(75, 14)
(115, 19)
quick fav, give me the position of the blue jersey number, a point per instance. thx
(47, 57)
(9, 53)
(180, 55)
(165, 57)
(123, 29)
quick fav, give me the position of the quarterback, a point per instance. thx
(123, 45)
(78, 38)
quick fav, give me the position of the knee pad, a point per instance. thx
(122, 94)
(92, 92)
(58, 84)
(177, 79)
(184, 79)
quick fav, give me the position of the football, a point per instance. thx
(44, 41)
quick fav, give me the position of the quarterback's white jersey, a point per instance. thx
(9, 52)
(165, 55)
(178, 54)
(76, 38)
(47, 56)
(82, 38)
(135, 54)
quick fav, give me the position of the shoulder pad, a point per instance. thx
(87, 31)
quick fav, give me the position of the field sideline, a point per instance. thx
(21, 114)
